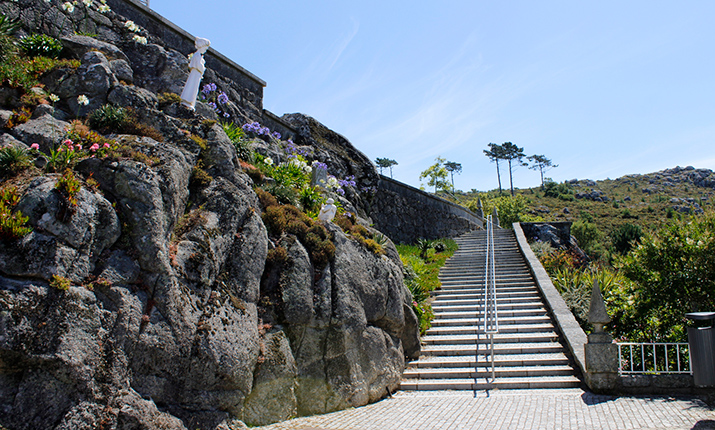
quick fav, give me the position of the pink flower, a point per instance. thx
(94, 147)
(106, 145)
(79, 147)
(34, 146)
(68, 142)
(60, 149)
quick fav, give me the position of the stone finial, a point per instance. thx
(597, 314)
(495, 216)
(480, 208)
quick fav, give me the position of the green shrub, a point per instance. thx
(239, 139)
(67, 186)
(674, 269)
(199, 177)
(12, 224)
(625, 236)
(108, 118)
(586, 233)
(14, 159)
(40, 45)
(166, 99)
(25, 73)
(60, 282)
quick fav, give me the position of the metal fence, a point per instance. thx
(653, 358)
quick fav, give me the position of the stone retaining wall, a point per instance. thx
(406, 214)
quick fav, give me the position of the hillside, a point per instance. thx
(645, 199)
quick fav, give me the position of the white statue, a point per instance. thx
(327, 212)
(197, 67)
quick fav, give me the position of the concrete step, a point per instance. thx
(502, 314)
(476, 305)
(513, 328)
(486, 371)
(538, 359)
(499, 383)
(502, 348)
(482, 339)
(503, 322)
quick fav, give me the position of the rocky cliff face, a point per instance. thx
(154, 302)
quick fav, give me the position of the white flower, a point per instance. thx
(83, 100)
(54, 98)
(48, 1)
(131, 26)
(87, 3)
(268, 161)
(333, 182)
(103, 8)
(140, 39)
(69, 7)
(307, 169)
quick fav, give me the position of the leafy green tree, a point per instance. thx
(512, 153)
(674, 269)
(453, 168)
(437, 175)
(510, 209)
(542, 164)
(495, 155)
(385, 163)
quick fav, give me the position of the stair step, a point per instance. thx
(541, 319)
(514, 328)
(501, 313)
(486, 371)
(499, 383)
(482, 339)
(500, 360)
(502, 348)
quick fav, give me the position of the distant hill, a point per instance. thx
(649, 200)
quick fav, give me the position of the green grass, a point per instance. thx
(422, 276)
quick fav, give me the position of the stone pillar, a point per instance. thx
(480, 209)
(495, 217)
(600, 351)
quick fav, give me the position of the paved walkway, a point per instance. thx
(514, 409)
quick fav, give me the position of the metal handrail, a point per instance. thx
(491, 320)
(639, 358)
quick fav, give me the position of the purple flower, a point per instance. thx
(340, 191)
(276, 135)
(348, 214)
(222, 98)
(226, 115)
(213, 105)
(318, 165)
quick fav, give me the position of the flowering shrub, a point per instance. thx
(255, 129)
(215, 99)
(12, 224)
(43, 45)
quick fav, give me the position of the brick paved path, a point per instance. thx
(520, 409)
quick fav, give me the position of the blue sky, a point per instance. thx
(604, 88)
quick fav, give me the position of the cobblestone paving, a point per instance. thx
(518, 409)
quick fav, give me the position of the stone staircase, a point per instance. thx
(455, 351)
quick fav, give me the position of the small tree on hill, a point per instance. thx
(512, 153)
(495, 154)
(453, 168)
(542, 164)
(385, 163)
(437, 175)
